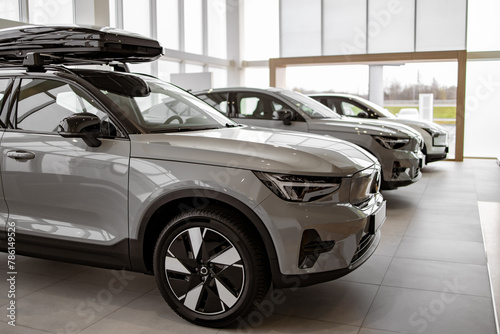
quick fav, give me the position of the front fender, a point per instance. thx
(155, 184)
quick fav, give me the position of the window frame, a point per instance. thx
(5, 101)
(11, 112)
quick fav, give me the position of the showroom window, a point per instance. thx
(216, 17)
(219, 77)
(261, 29)
(257, 77)
(344, 32)
(167, 18)
(51, 12)
(112, 13)
(436, 31)
(193, 68)
(482, 119)
(301, 30)
(144, 68)
(344, 27)
(351, 79)
(483, 25)
(391, 26)
(165, 68)
(136, 16)
(9, 10)
(193, 25)
(404, 85)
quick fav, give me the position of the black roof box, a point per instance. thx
(76, 44)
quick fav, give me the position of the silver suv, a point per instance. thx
(119, 170)
(436, 145)
(396, 146)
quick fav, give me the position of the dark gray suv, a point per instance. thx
(121, 170)
(396, 146)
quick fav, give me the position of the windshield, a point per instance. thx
(166, 108)
(382, 112)
(308, 105)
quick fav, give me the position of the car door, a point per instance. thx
(4, 213)
(61, 193)
(257, 109)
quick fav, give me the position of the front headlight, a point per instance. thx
(433, 132)
(391, 143)
(297, 188)
(439, 138)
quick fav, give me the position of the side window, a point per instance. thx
(4, 84)
(351, 109)
(330, 103)
(259, 106)
(219, 101)
(42, 104)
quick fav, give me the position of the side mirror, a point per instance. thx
(287, 117)
(86, 126)
(363, 114)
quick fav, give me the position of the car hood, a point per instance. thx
(361, 126)
(417, 123)
(256, 149)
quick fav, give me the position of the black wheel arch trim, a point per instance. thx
(136, 246)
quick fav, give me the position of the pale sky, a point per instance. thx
(354, 78)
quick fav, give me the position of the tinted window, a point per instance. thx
(310, 106)
(329, 102)
(42, 104)
(259, 106)
(4, 85)
(217, 100)
(351, 109)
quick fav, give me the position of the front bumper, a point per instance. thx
(432, 157)
(353, 230)
(403, 171)
(296, 281)
(436, 146)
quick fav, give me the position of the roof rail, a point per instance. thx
(34, 62)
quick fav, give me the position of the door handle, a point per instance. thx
(21, 155)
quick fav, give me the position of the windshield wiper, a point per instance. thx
(233, 125)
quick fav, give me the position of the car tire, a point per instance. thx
(210, 267)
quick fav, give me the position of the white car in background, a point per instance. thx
(408, 113)
(436, 145)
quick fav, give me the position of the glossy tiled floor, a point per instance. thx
(430, 274)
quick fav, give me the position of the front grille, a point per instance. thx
(363, 246)
(417, 172)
